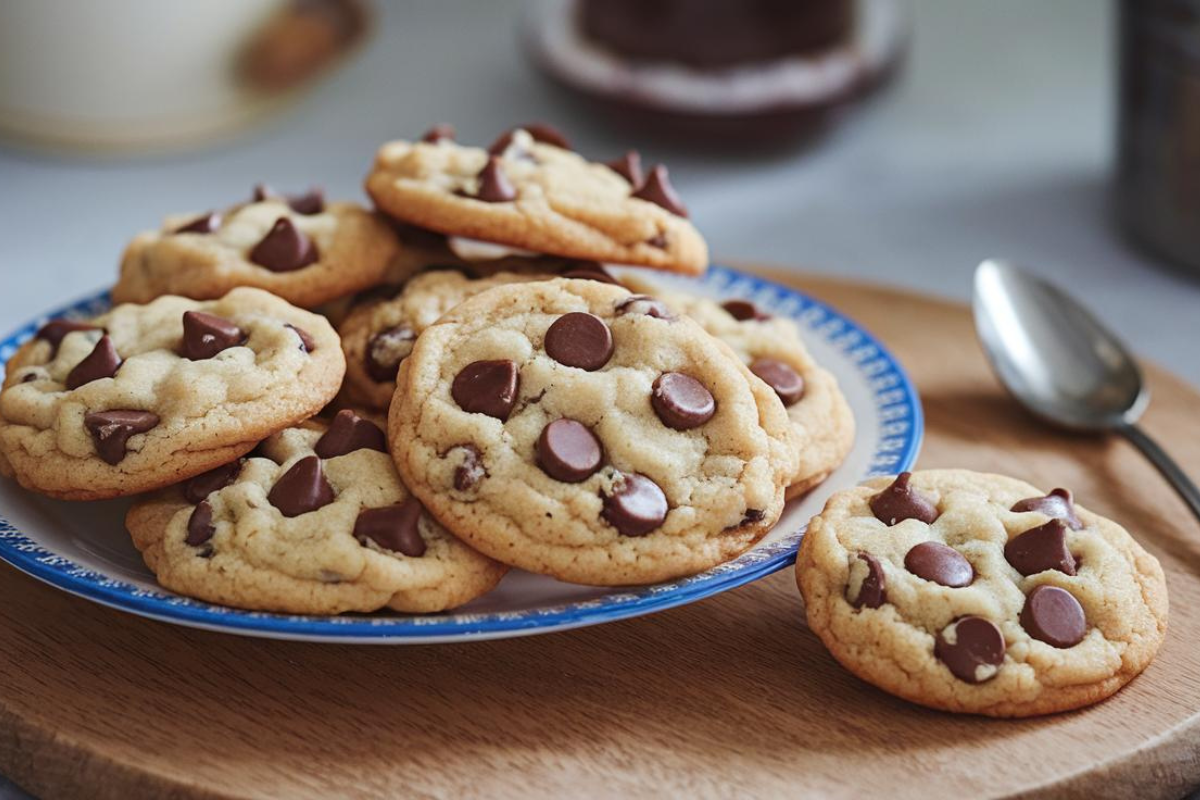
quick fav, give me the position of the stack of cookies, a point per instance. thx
(326, 408)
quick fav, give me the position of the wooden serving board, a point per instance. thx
(729, 696)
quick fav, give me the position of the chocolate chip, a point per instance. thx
(567, 451)
(658, 240)
(1053, 615)
(744, 310)
(385, 351)
(205, 223)
(441, 131)
(301, 489)
(205, 335)
(681, 401)
(309, 203)
(972, 648)
(471, 471)
(200, 526)
(939, 563)
(494, 185)
(786, 382)
(1041, 548)
(487, 387)
(262, 192)
(628, 166)
(285, 248)
(102, 362)
(579, 339)
(538, 131)
(868, 587)
(753, 515)
(214, 480)
(1059, 504)
(111, 430)
(306, 341)
(657, 189)
(589, 271)
(899, 502)
(56, 330)
(29, 377)
(644, 304)
(349, 432)
(636, 506)
(394, 528)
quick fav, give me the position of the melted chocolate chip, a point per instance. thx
(899, 502)
(579, 339)
(262, 192)
(205, 223)
(538, 131)
(200, 526)
(681, 401)
(349, 432)
(309, 203)
(443, 131)
(1053, 615)
(1041, 548)
(645, 304)
(636, 506)
(658, 240)
(972, 648)
(111, 430)
(214, 480)
(1059, 504)
(301, 489)
(939, 563)
(494, 185)
(205, 335)
(786, 382)
(385, 351)
(744, 310)
(872, 586)
(102, 362)
(394, 528)
(657, 189)
(29, 377)
(306, 341)
(567, 451)
(629, 167)
(471, 471)
(56, 330)
(285, 248)
(589, 271)
(487, 387)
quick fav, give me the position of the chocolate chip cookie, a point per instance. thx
(772, 348)
(319, 523)
(148, 395)
(573, 429)
(530, 191)
(299, 247)
(979, 593)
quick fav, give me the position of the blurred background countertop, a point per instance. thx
(996, 139)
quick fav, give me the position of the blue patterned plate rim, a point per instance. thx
(895, 397)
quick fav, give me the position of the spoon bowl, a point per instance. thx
(1063, 365)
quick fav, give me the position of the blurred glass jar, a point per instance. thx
(725, 71)
(131, 75)
(1158, 155)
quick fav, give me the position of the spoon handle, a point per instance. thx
(1166, 465)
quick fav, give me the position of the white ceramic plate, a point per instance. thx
(82, 548)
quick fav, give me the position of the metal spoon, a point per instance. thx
(1063, 365)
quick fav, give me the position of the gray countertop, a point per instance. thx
(996, 140)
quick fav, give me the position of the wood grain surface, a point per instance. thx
(729, 696)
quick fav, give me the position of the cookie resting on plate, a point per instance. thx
(570, 428)
(319, 523)
(300, 248)
(530, 191)
(148, 395)
(978, 593)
